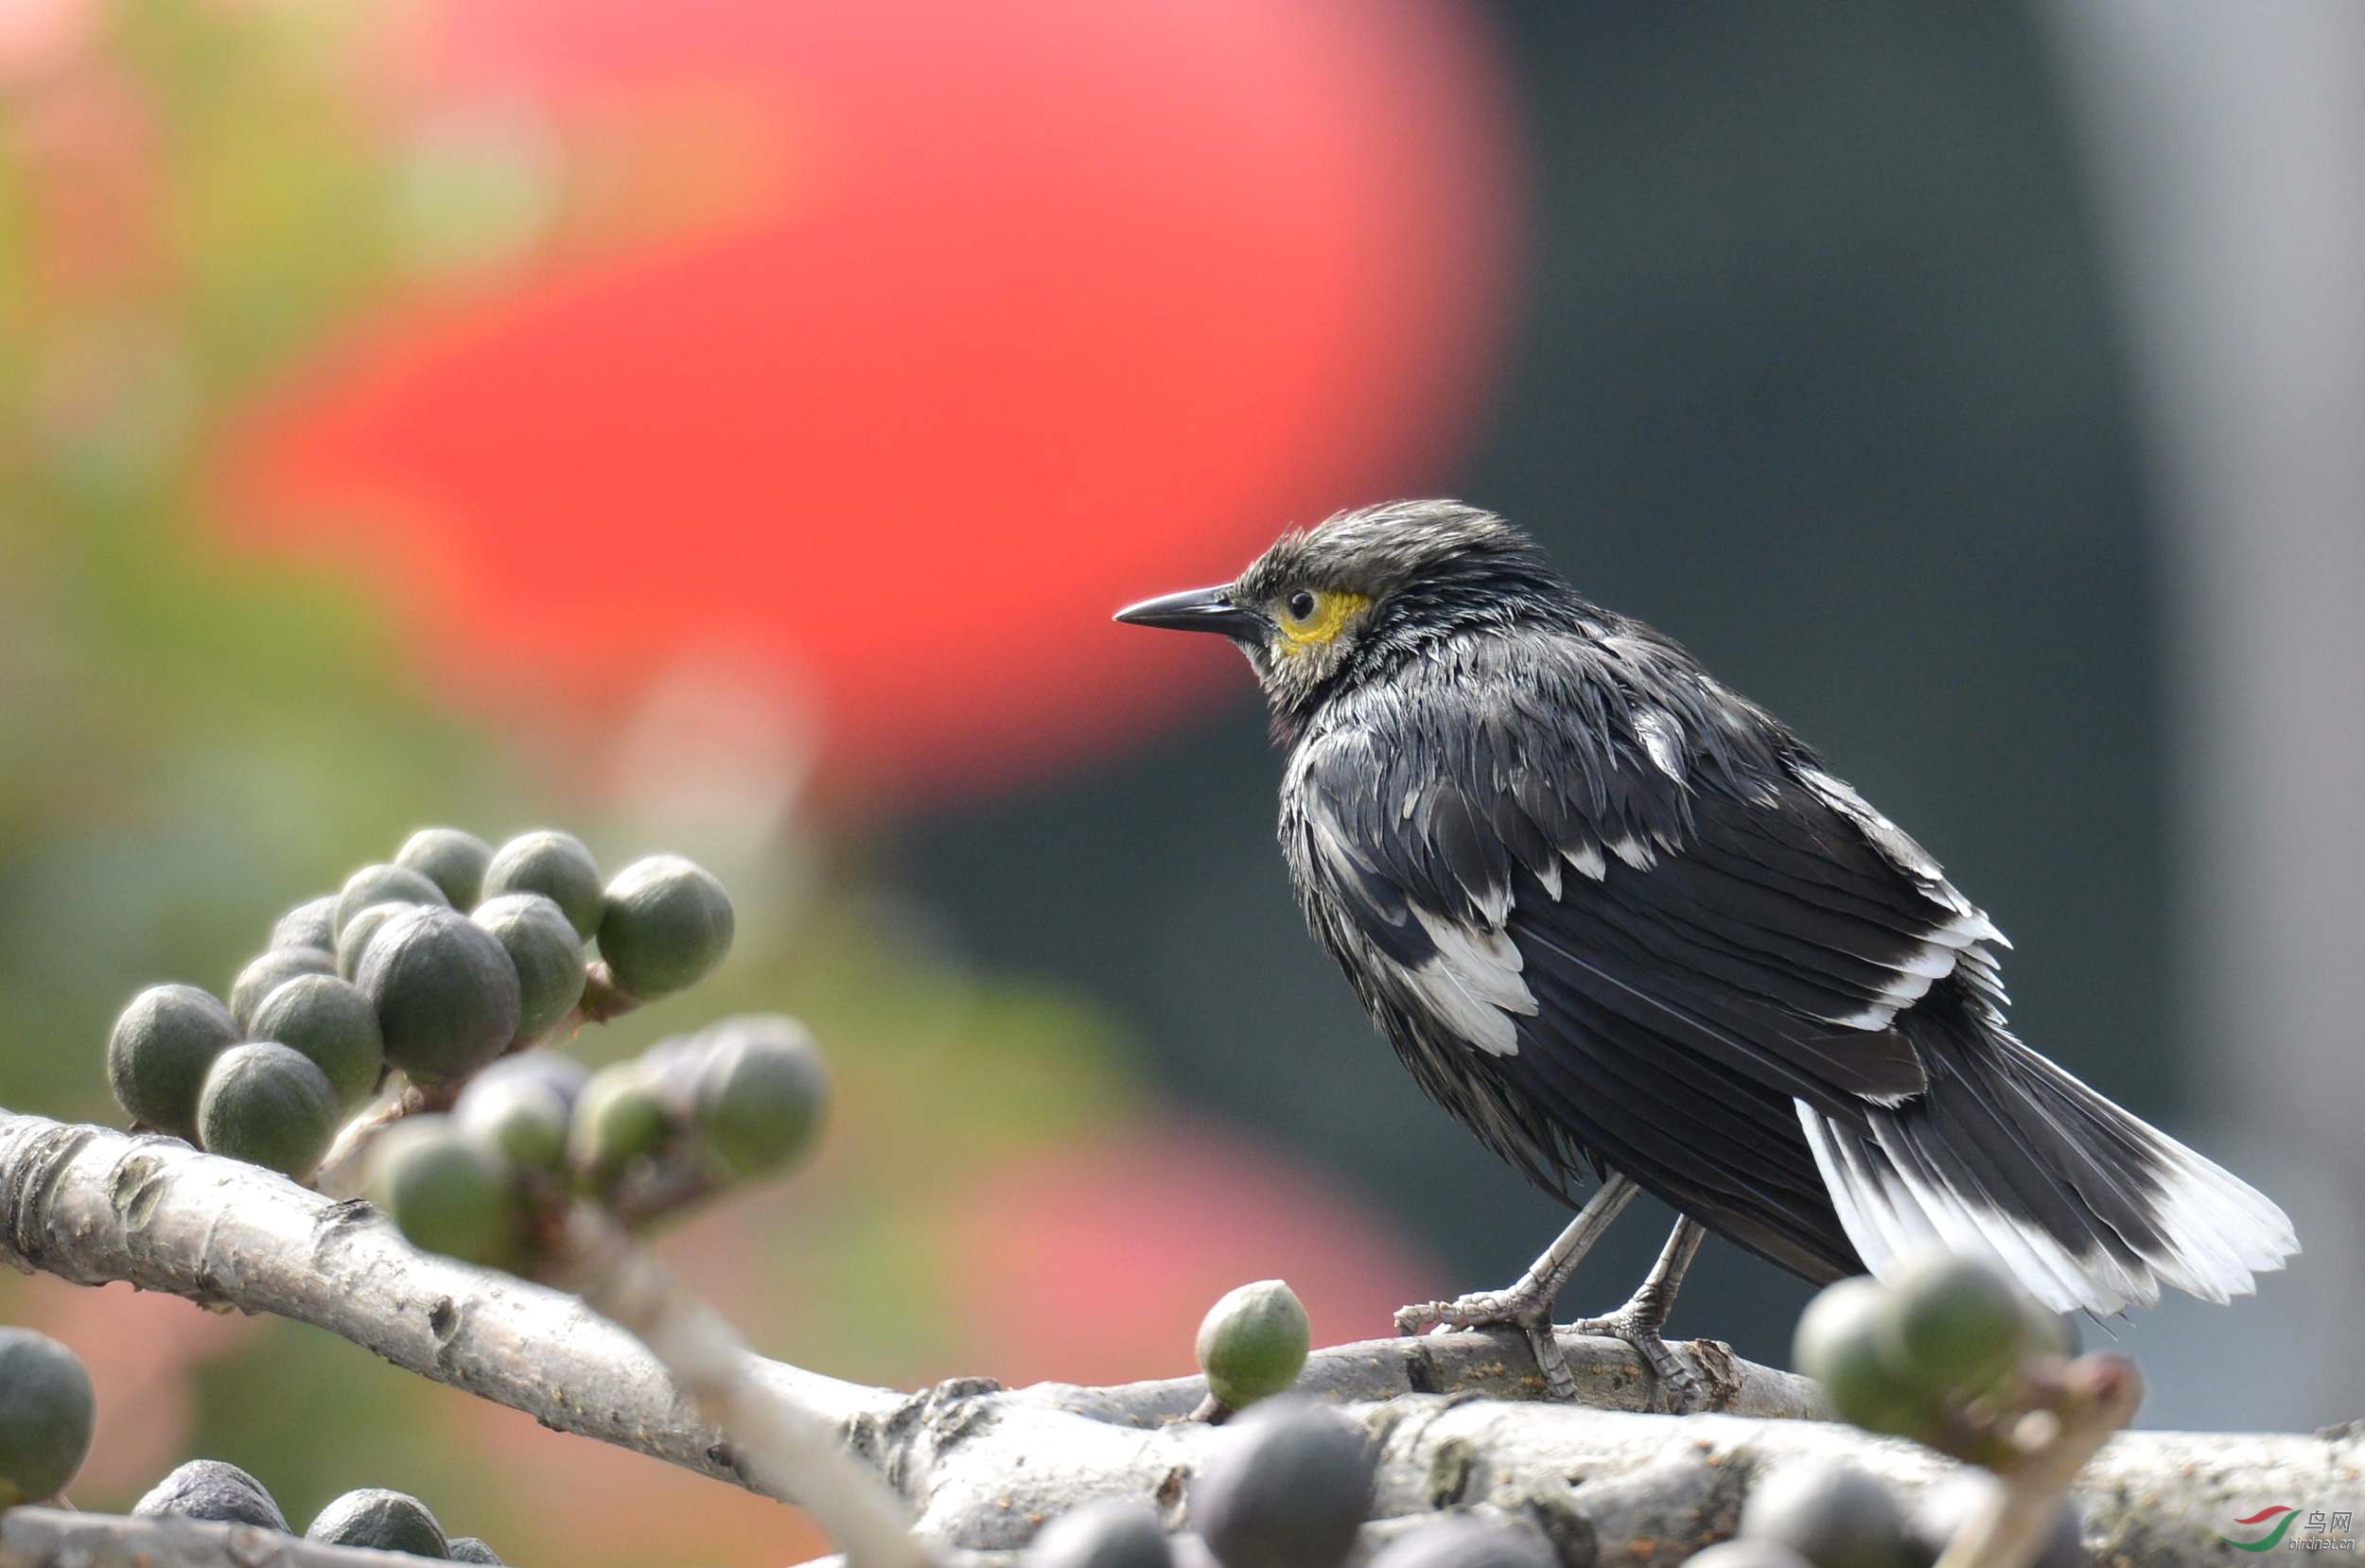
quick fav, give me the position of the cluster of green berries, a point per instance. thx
(739, 1100)
(389, 972)
(1950, 1353)
(46, 1416)
(1287, 1485)
(1946, 1354)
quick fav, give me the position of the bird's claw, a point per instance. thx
(1480, 1309)
(1527, 1312)
(1680, 1387)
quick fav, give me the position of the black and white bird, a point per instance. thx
(1616, 918)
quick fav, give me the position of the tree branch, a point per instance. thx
(94, 1206)
(57, 1538)
(981, 1466)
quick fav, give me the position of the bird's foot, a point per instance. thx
(1480, 1309)
(1680, 1387)
(1524, 1307)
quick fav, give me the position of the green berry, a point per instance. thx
(557, 866)
(467, 1548)
(268, 972)
(1840, 1331)
(543, 950)
(1108, 1532)
(269, 1106)
(45, 1413)
(452, 860)
(353, 943)
(1252, 1342)
(757, 1094)
(446, 994)
(159, 1051)
(667, 924)
(1287, 1487)
(447, 1192)
(619, 1117)
(330, 1022)
(310, 924)
(385, 884)
(522, 1115)
(215, 1491)
(1842, 1343)
(1833, 1515)
(1463, 1542)
(1957, 1324)
(381, 1520)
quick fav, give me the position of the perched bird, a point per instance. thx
(1614, 916)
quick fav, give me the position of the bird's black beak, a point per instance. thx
(1195, 610)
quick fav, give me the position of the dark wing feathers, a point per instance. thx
(1347, 858)
(1692, 938)
(1837, 947)
(1636, 926)
(1703, 1139)
(1474, 857)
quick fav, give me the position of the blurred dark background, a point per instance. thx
(1815, 368)
(727, 431)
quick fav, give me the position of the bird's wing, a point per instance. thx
(1635, 901)
(1668, 863)
(1649, 915)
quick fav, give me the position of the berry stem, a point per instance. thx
(2097, 1395)
(602, 999)
(777, 1439)
(341, 1169)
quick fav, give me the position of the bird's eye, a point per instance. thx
(1311, 618)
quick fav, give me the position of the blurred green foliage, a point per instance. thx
(187, 203)
(192, 739)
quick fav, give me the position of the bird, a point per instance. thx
(1623, 925)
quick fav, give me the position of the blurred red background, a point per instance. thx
(942, 330)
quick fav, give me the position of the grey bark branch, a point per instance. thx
(979, 1466)
(94, 1206)
(60, 1538)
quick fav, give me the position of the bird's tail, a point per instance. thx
(2010, 1157)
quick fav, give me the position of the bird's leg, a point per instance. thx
(1640, 1319)
(1528, 1304)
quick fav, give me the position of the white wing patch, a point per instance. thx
(1663, 740)
(1958, 943)
(1892, 839)
(1634, 852)
(1472, 983)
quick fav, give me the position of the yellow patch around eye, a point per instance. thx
(1332, 611)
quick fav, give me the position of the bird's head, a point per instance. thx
(1361, 590)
